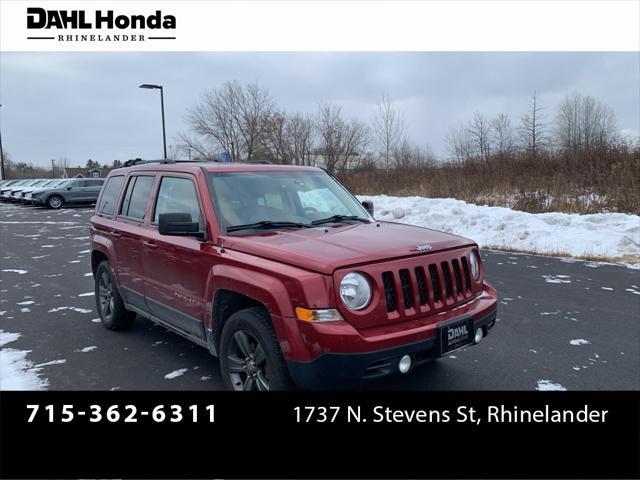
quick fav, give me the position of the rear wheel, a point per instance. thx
(250, 355)
(110, 306)
(55, 202)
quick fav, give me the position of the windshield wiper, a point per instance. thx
(339, 218)
(266, 225)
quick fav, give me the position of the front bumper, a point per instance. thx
(346, 370)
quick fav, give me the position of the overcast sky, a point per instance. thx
(87, 105)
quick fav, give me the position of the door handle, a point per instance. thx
(150, 244)
(115, 234)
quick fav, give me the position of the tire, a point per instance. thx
(55, 202)
(250, 355)
(110, 306)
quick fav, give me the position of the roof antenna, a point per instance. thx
(222, 250)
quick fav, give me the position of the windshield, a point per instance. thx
(282, 200)
(28, 183)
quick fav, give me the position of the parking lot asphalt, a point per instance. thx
(562, 324)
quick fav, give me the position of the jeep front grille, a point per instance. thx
(427, 287)
(435, 283)
(406, 288)
(422, 286)
(389, 291)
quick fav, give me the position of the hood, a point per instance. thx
(325, 249)
(19, 189)
(41, 189)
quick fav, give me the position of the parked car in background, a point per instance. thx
(27, 193)
(18, 193)
(8, 186)
(73, 191)
(7, 195)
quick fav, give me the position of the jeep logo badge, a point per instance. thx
(424, 247)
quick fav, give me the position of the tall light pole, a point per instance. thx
(1, 158)
(164, 136)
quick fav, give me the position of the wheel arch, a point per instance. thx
(97, 257)
(225, 304)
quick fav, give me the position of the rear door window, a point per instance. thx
(136, 197)
(110, 194)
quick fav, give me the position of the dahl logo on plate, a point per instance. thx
(99, 25)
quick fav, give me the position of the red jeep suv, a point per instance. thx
(282, 273)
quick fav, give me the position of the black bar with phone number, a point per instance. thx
(128, 413)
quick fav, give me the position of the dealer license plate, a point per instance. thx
(455, 335)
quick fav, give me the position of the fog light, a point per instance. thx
(478, 337)
(405, 364)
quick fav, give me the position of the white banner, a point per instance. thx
(264, 25)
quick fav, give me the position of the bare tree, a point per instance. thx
(501, 134)
(342, 143)
(583, 123)
(232, 118)
(290, 138)
(388, 128)
(479, 131)
(533, 129)
(459, 143)
(408, 155)
(63, 163)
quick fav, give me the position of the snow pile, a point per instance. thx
(601, 234)
(16, 372)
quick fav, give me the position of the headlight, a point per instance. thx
(355, 291)
(475, 265)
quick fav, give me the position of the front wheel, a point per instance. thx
(55, 202)
(250, 355)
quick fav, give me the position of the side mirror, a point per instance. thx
(69, 188)
(368, 206)
(179, 224)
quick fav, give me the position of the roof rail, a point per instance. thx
(140, 161)
(257, 162)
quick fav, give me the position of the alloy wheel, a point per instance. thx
(247, 364)
(105, 293)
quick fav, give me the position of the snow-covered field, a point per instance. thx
(604, 235)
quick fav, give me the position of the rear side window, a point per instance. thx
(135, 200)
(178, 195)
(109, 195)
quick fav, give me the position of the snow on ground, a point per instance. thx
(75, 309)
(15, 270)
(16, 372)
(175, 373)
(548, 385)
(87, 349)
(601, 234)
